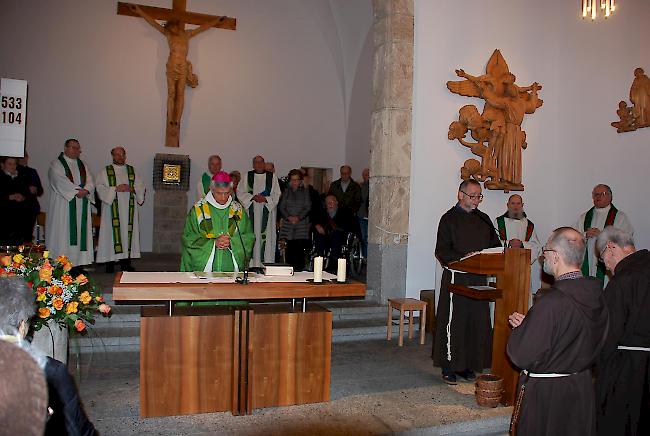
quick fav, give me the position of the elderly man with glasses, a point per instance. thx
(623, 369)
(593, 221)
(463, 342)
(557, 343)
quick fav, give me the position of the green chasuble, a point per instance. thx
(204, 224)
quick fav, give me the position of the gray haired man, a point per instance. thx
(557, 343)
(624, 365)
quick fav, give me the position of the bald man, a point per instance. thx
(122, 193)
(557, 343)
(516, 230)
(592, 222)
(203, 185)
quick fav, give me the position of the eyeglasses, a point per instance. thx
(545, 250)
(473, 197)
(602, 252)
(599, 194)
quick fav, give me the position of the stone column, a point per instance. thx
(390, 148)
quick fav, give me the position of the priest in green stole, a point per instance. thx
(72, 190)
(218, 236)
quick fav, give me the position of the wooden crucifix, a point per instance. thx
(179, 69)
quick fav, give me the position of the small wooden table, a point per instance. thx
(237, 358)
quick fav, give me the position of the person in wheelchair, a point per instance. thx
(332, 230)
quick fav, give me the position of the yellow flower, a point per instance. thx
(66, 279)
(85, 297)
(19, 258)
(71, 307)
(43, 312)
(41, 297)
(57, 303)
(46, 254)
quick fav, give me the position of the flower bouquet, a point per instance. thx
(71, 302)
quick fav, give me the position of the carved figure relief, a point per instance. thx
(495, 133)
(637, 116)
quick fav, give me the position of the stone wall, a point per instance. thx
(390, 148)
(169, 212)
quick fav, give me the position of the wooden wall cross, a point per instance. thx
(178, 69)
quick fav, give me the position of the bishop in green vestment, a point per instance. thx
(218, 235)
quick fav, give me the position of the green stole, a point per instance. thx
(205, 181)
(72, 205)
(609, 221)
(115, 209)
(501, 224)
(265, 212)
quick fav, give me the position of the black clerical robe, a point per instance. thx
(469, 344)
(562, 333)
(623, 376)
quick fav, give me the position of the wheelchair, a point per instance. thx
(350, 250)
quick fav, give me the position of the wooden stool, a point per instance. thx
(406, 305)
(429, 295)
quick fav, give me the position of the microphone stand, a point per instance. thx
(480, 215)
(244, 279)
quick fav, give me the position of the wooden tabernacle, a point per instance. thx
(237, 358)
(512, 269)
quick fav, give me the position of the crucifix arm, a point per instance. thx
(204, 27)
(138, 10)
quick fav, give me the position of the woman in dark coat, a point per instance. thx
(294, 208)
(16, 203)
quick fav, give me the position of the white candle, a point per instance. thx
(318, 269)
(340, 271)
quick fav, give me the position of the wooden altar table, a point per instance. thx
(238, 358)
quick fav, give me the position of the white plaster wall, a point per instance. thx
(272, 87)
(585, 69)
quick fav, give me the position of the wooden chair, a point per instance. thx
(406, 305)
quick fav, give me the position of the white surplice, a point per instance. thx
(259, 185)
(516, 229)
(57, 227)
(598, 221)
(106, 193)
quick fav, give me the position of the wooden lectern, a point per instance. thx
(512, 269)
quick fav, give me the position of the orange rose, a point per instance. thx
(66, 279)
(55, 290)
(6, 260)
(85, 297)
(43, 312)
(45, 274)
(105, 309)
(81, 279)
(57, 303)
(62, 259)
(71, 307)
(67, 266)
(79, 325)
(99, 299)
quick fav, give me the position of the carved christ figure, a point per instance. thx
(179, 69)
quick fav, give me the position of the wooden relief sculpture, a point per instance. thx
(637, 116)
(496, 134)
(178, 69)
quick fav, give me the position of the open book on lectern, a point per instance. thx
(493, 250)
